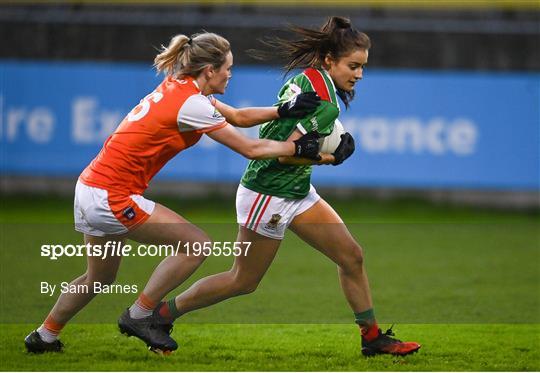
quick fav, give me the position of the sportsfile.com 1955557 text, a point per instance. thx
(117, 248)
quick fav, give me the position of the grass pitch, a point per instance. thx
(464, 283)
(263, 347)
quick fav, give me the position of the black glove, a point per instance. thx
(344, 149)
(307, 146)
(299, 106)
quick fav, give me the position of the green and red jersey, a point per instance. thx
(271, 177)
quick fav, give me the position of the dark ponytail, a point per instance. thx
(336, 37)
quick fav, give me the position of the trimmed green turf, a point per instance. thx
(282, 348)
(433, 269)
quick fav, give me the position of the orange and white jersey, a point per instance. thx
(170, 119)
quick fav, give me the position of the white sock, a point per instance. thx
(138, 312)
(46, 335)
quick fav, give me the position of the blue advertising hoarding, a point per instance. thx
(413, 129)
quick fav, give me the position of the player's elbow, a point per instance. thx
(237, 119)
(234, 121)
(241, 121)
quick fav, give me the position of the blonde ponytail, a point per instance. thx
(167, 60)
(185, 56)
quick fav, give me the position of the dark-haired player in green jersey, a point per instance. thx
(276, 194)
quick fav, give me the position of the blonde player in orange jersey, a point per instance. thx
(109, 204)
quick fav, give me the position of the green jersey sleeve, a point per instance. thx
(322, 120)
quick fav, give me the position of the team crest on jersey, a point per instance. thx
(274, 220)
(129, 213)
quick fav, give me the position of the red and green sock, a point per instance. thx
(367, 323)
(169, 310)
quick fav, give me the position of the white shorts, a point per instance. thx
(99, 212)
(269, 215)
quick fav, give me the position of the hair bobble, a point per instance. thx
(342, 23)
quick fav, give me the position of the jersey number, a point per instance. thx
(142, 109)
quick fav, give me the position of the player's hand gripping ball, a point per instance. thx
(339, 143)
(344, 150)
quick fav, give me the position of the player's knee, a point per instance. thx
(248, 288)
(196, 259)
(108, 280)
(353, 261)
(244, 286)
(102, 278)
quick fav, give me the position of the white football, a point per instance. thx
(329, 143)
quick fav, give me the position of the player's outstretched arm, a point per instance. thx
(246, 117)
(305, 146)
(297, 107)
